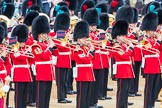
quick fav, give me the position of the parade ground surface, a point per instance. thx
(138, 101)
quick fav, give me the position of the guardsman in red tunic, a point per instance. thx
(83, 54)
(62, 23)
(44, 68)
(104, 24)
(151, 62)
(91, 16)
(123, 66)
(137, 56)
(126, 13)
(31, 99)
(8, 64)
(159, 32)
(20, 71)
(3, 71)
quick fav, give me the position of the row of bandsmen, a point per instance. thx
(90, 58)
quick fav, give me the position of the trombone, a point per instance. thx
(146, 47)
(15, 49)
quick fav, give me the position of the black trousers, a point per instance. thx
(31, 94)
(70, 78)
(20, 94)
(61, 78)
(122, 93)
(95, 86)
(83, 94)
(152, 88)
(104, 82)
(135, 82)
(43, 94)
(106, 75)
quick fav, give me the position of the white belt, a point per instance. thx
(43, 62)
(98, 51)
(64, 53)
(17, 66)
(119, 63)
(83, 65)
(150, 56)
(147, 56)
(21, 66)
(124, 62)
(103, 52)
(3, 72)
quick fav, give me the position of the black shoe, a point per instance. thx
(108, 98)
(9, 107)
(131, 95)
(31, 104)
(130, 103)
(96, 106)
(99, 106)
(62, 101)
(101, 98)
(157, 100)
(109, 89)
(68, 101)
(12, 89)
(70, 92)
(74, 92)
(136, 94)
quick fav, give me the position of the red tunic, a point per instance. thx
(123, 64)
(20, 71)
(84, 65)
(63, 55)
(151, 61)
(43, 64)
(3, 71)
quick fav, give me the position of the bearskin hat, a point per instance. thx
(81, 30)
(114, 5)
(2, 33)
(8, 10)
(104, 21)
(145, 8)
(29, 3)
(40, 25)
(21, 31)
(150, 22)
(125, 13)
(135, 18)
(30, 17)
(57, 7)
(4, 25)
(86, 5)
(91, 16)
(153, 6)
(120, 28)
(62, 22)
(34, 8)
(62, 9)
(71, 4)
(102, 6)
(159, 11)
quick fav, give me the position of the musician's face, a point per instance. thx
(42, 36)
(84, 41)
(93, 28)
(22, 44)
(120, 39)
